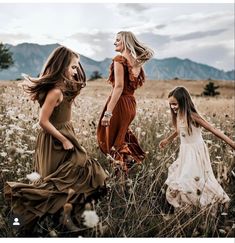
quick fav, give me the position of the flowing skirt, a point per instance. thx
(61, 171)
(191, 180)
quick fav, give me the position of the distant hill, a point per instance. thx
(29, 58)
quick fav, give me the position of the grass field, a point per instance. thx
(139, 210)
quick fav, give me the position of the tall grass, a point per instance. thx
(135, 206)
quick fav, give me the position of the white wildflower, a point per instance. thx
(10, 113)
(77, 130)
(29, 151)
(138, 129)
(34, 176)
(163, 191)
(36, 126)
(90, 217)
(32, 138)
(21, 116)
(14, 127)
(222, 231)
(158, 157)
(9, 132)
(20, 150)
(3, 154)
(85, 133)
(129, 182)
(5, 170)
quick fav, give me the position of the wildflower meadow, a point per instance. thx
(136, 206)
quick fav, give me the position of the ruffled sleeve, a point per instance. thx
(119, 59)
(133, 82)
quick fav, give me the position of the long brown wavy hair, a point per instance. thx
(186, 107)
(138, 50)
(53, 75)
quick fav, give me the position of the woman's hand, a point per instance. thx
(105, 121)
(67, 145)
(163, 143)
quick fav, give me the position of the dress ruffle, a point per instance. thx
(61, 171)
(134, 82)
(128, 153)
(191, 180)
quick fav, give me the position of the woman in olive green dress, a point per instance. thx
(68, 178)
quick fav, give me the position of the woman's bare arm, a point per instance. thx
(118, 87)
(116, 93)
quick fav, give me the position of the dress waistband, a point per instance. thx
(59, 124)
(131, 95)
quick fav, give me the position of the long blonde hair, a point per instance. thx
(54, 74)
(138, 50)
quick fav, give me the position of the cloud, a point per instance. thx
(133, 7)
(216, 55)
(14, 38)
(154, 41)
(198, 34)
(100, 44)
(183, 30)
(160, 26)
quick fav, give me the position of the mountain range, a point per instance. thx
(29, 59)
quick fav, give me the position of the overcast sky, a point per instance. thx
(201, 32)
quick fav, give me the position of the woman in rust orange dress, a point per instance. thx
(126, 75)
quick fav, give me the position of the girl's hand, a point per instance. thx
(163, 143)
(105, 121)
(67, 145)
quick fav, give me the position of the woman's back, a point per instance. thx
(131, 82)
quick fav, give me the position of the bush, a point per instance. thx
(210, 90)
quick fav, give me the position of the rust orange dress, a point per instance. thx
(117, 139)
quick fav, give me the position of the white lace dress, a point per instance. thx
(191, 180)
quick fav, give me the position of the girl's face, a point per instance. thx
(72, 68)
(119, 44)
(174, 105)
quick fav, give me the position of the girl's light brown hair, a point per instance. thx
(186, 107)
(138, 50)
(53, 75)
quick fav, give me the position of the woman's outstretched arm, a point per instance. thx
(202, 122)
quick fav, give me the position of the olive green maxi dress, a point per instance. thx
(60, 170)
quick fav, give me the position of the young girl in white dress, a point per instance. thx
(191, 180)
